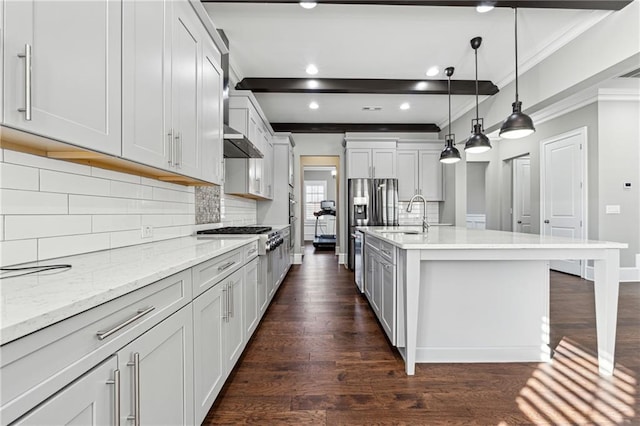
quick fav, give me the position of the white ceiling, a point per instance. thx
(396, 42)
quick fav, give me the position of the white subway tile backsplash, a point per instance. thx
(51, 181)
(32, 202)
(65, 246)
(118, 222)
(19, 251)
(86, 204)
(131, 190)
(157, 220)
(1, 227)
(14, 176)
(15, 157)
(38, 226)
(162, 194)
(166, 185)
(111, 175)
(128, 238)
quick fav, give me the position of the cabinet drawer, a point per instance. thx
(207, 274)
(250, 251)
(372, 243)
(38, 365)
(387, 251)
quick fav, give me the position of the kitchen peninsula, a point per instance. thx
(469, 295)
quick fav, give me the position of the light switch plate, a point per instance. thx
(612, 209)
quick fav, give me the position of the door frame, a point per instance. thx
(582, 132)
(514, 185)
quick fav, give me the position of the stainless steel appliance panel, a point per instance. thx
(371, 202)
(358, 240)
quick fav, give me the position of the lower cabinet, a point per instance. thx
(380, 285)
(90, 400)
(156, 374)
(251, 308)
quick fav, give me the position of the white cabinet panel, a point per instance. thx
(75, 78)
(251, 312)
(431, 175)
(211, 121)
(359, 163)
(90, 400)
(234, 334)
(388, 305)
(407, 174)
(384, 163)
(419, 172)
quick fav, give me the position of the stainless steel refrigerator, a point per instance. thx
(372, 202)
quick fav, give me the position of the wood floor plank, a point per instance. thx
(320, 357)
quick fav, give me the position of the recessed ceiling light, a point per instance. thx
(308, 4)
(422, 85)
(312, 69)
(314, 105)
(484, 7)
(433, 71)
(405, 106)
(312, 84)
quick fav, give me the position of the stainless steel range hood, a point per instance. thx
(236, 144)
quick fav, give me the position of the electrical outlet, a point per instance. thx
(147, 231)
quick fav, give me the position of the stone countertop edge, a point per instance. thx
(33, 302)
(458, 238)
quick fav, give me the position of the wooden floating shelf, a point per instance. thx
(17, 140)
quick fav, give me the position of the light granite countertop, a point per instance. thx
(35, 301)
(456, 238)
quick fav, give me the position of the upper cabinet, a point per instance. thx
(211, 122)
(371, 159)
(419, 172)
(62, 71)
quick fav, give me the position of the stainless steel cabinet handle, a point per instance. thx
(231, 299)
(176, 150)
(27, 82)
(116, 396)
(253, 250)
(141, 312)
(546, 221)
(226, 266)
(170, 147)
(225, 303)
(136, 389)
(354, 236)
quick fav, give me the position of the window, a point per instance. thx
(314, 192)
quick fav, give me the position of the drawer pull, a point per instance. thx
(226, 266)
(136, 389)
(116, 396)
(253, 250)
(27, 82)
(387, 252)
(141, 312)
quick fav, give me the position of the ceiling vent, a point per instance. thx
(372, 108)
(633, 74)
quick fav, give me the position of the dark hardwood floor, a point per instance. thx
(320, 357)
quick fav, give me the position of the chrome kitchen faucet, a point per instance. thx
(425, 224)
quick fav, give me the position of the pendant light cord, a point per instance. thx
(477, 107)
(449, 92)
(515, 11)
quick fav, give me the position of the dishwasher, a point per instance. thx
(358, 240)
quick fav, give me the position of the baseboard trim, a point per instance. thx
(342, 258)
(627, 273)
(297, 259)
(488, 354)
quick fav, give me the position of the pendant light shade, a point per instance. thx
(518, 124)
(450, 153)
(478, 142)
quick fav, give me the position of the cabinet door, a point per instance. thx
(90, 400)
(268, 170)
(359, 163)
(376, 289)
(370, 263)
(388, 305)
(186, 59)
(384, 163)
(210, 371)
(146, 82)
(75, 70)
(234, 327)
(407, 174)
(431, 175)
(251, 312)
(164, 383)
(211, 119)
(263, 292)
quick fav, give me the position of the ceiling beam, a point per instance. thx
(355, 127)
(366, 85)
(533, 4)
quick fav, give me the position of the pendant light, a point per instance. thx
(518, 124)
(478, 142)
(450, 153)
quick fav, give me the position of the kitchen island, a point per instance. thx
(470, 295)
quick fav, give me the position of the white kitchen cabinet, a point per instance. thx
(263, 290)
(172, 88)
(371, 163)
(72, 90)
(388, 295)
(251, 308)
(419, 172)
(157, 373)
(90, 400)
(380, 285)
(244, 117)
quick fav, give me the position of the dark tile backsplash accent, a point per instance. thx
(207, 204)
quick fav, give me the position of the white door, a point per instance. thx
(211, 120)
(164, 358)
(407, 168)
(146, 82)
(522, 195)
(562, 191)
(87, 401)
(75, 70)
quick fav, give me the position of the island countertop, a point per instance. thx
(32, 302)
(457, 238)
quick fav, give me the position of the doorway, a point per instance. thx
(476, 194)
(521, 197)
(563, 195)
